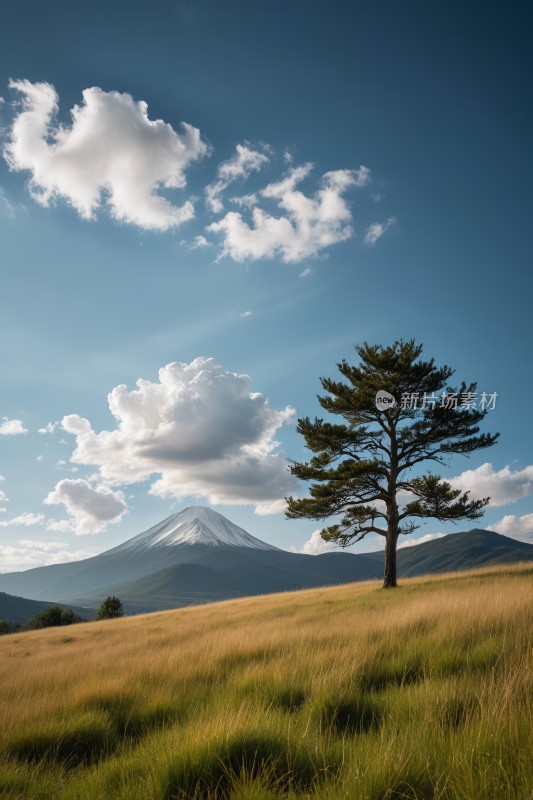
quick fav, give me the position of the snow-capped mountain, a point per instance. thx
(198, 555)
(195, 533)
(194, 525)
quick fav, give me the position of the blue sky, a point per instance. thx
(348, 172)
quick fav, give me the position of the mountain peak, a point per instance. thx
(192, 526)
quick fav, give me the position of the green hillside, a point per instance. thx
(341, 693)
(20, 609)
(457, 551)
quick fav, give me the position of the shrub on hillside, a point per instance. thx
(8, 627)
(53, 616)
(111, 608)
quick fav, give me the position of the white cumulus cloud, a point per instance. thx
(12, 427)
(271, 507)
(315, 545)
(502, 486)
(239, 167)
(111, 153)
(520, 528)
(90, 508)
(306, 226)
(376, 230)
(200, 430)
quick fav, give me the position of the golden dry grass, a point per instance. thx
(343, 692)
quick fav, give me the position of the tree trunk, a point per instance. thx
(393, 520)
(389, 579)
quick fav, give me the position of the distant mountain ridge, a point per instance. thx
(475, 548)
(197, 556)
(20, 609)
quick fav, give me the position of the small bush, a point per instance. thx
(8, 627)
(111, 608)
(52, 617)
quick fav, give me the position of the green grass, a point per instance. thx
(344, 693)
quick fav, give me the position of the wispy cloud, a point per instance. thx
(378, 229)
(198, 243)
(5, 206)
(239, 167)
(24, 520)
(28, 553)
(50, 427)
(245, 200)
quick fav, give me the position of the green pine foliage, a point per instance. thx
(111, 608)
(360, 465)
(53, 616)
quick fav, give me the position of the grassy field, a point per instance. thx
(346, 692)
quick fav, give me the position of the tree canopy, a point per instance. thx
(110, 608)
(400, 412)
(53, 616)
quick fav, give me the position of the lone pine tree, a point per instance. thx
(362, 466)
(111, 608)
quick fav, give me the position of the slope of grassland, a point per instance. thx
(345, 692)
